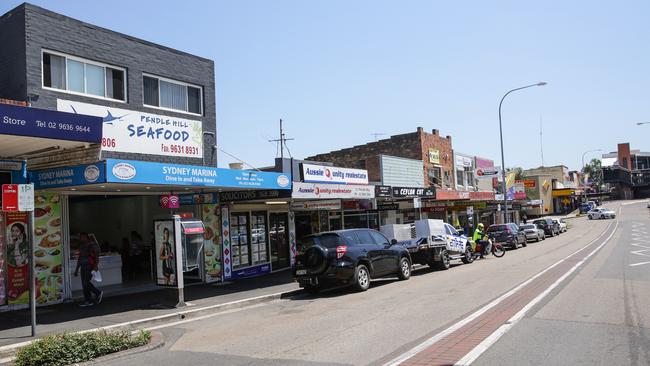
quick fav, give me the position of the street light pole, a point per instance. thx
(584, 190)
(503, 163)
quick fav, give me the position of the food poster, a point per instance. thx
(212, 242)
(16, 234)
(48, 248)
(165, 253)
(3, 272)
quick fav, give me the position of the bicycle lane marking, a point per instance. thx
(453, 348)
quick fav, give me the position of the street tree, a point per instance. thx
(593, 172)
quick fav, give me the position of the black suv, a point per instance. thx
(549, 227)
(349, 257)
(507, 234)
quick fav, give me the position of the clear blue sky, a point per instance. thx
(337, 71)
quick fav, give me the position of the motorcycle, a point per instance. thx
(495, 248)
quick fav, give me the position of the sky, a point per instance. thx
(337, 72)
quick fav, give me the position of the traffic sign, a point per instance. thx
(26, 197)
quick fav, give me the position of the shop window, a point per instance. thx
(248, 235)
(173, 95)
(80, 76)
(460, 177)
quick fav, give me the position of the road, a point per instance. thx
(596, 311)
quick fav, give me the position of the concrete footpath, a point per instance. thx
(154, 307)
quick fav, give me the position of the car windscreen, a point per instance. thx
(325, 240)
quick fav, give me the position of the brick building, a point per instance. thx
(432, 149)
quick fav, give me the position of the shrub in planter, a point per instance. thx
(70, 348)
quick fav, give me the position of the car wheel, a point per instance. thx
(552, 233)
(469, 256)
(538, 239)
(444, 262)
(361, 278)
(404, 269)
(590, 217)
(525, 243)
(516, 246)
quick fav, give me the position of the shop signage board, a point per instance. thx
(383, 191)
(316, 205)
(10, 197)
(48, 248)
(69, 176)
(142, 172)
(144, 133)
(326, 191)
(434, 156)
(463, 161)
(197, 199)
(34, 122)
(253, 195)
(388, 207)
(330, 174)
(487, 173)
(404, 192)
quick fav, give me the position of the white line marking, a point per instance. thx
(430, 341)
(638, 264)
(492, 338)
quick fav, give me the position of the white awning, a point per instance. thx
(608, 162)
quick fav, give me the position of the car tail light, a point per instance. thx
(340, 251)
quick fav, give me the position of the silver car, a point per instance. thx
(601, 213)
(532, 232)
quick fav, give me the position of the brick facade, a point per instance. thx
(37, 29)
(414, 145)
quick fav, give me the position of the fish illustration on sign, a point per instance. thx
(108, 119)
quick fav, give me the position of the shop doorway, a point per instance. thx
(278, 230)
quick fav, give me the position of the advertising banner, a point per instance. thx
(132, 171)
(325, 191)
(383, 191)
(3, 262)
(34, 122)
(226, 244)
(212, 251)
(330, 174)
(69, 176)
(48, 248)
(10, 197)
(144, 133)
(434, 156)
(17, 237)
(487, 173)
(165, 251)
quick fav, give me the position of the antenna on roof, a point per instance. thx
(283, 142)
(377, 135)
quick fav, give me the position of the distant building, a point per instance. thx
(627, 172)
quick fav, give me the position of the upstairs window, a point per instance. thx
(79, 76)
(173, 95)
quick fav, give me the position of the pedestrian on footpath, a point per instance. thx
(88, 261)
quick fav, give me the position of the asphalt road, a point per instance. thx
(599, 315)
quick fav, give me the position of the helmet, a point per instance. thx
(480, 225)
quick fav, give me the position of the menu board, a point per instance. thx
(165, 252)
(3, 272)
(212, 242)
(48, 249)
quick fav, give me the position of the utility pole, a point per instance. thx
(375, 135)
(283, 141)
(541, 141)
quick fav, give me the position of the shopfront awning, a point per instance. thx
(28, 131)
(128, 177)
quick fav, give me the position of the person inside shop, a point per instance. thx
(479, 239)
(167, 257)
(125, 254)
(18, 248)
(88, 261)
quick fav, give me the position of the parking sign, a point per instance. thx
(26, 197)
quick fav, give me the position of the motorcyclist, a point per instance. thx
(480, 238)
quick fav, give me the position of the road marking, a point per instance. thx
(638, 264)
(492, 338)
(437, 337)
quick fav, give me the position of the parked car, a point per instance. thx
(507, 235)
(561, 224)
(601, 213)
(533, 232)
(549, 227)
(585, 207)
(648, 204)
(351, 257)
